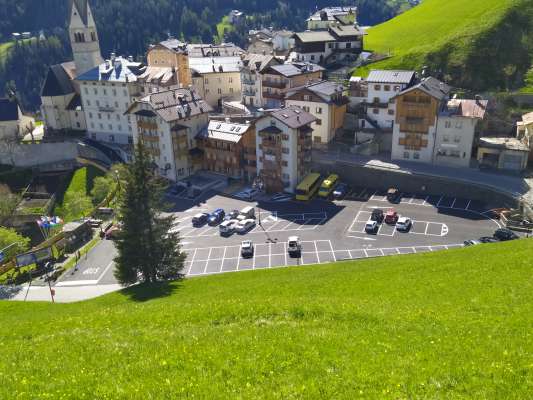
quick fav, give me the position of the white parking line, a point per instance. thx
(453, 203)
(192, 261)
(223, 259)
(332, 251)
(468, 205)
(440, 200)
(208, 258)
(269, 255)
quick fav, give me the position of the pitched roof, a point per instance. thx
(210, 65)
(118, 70)
(293, 69)
(174, 45)
(213, 50)
(258, 62)
(82, 8)
(177, 104)
(225, 131)
(9, 110)
(509, 143)
(467, 108)
(390, 76)
(323, 89)
(346, 31)
(431, 86)
(331, 13)
(315, 36)
(58, 81)
(527, 118)
(294, 117)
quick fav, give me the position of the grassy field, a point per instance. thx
(75, 200)
(448, 325)
(432, 26)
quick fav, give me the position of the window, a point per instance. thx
(97, 103)
(307, 97)
(95, 90)
(85, 90)
(330, 45)
(99, 116)
(231, 90)
(390, 112)
(284, 163)
(318, 122)
(92, 126)
(219, 91)
(116, 104)
(406, 154)
(285, 150)
(130, 139)
(386, 88)
(230, 80)
(115, 92)
(375, 110)
(448, 124)
(93, 135)
(125, 92)
(285, 177)
(445, 138)
(457, 139)
(206, 81)
(349, 45)
(105, 91)
(90, 115)
(377, 87)
(111, 138)
(319, 110)
(312, 57)
(78, 125)
(93, 36)
(101, 126)
(416, 156)
(459, 125)
(110, 127)
(317, 139)
(89, 103)
(284, 137)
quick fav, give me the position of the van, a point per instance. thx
(247, 213)
(200, 219)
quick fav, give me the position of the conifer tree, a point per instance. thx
(147, 250)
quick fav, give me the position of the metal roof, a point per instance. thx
(210, 65)
(390, 76)
(315, 36)
(294, 117)
(225, 131)
(118, 70)
(432, 87)
(289, 70)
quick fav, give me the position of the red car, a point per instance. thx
(391, 217)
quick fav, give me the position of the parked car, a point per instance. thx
(227, 227)
(247, 249)
(340, 191)
(216, 217)
(233, 214)
(245, 225)
(391, 217)
(200, 219)
(403, 224)
(371, 226)
(113, 232)
(279, 197)
(377, 215)
(246, 213)
(294, 247)
(394, 195)
(488, 239)
(504, 234)
(467, 243)
(248, 194)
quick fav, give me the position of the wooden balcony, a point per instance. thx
(277, 96)
(274, 84)
(150, 138)
(149, 126)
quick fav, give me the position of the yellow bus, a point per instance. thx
(308, 187)
(328, 185)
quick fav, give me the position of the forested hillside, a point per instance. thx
(127, 27)
(476, 44)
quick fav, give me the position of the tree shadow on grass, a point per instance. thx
(148, 291)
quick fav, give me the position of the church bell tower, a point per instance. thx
(83, 37)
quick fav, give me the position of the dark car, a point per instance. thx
(233, 214)
(199, 219)
(504, 234)
(377, 215)
(216, 217)
(340, 191)
(488, 239)
(394, 195)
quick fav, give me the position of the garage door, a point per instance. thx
(513, 162)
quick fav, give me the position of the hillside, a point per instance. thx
(448, 325)
(478, 44)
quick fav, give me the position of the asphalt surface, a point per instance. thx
(329, 231)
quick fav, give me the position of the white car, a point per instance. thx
(294, 247)
(245, 225)
(371, 226)
(226, 228)
(403, 224)
(247, 249)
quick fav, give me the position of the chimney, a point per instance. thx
(130, 58)
(228, 120)
(113, 56)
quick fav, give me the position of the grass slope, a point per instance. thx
(448, 325)
(456, 36)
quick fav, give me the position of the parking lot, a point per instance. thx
(328, 230)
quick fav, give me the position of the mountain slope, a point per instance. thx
(447, 325)
(478, 44)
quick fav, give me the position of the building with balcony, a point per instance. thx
(106, 93)
(415, 127)
(324, 18)
(283, 148)
(382, 86)
(335, 44)
(168, 124)
(253, 67)
(325, 100)
(278, 78)
(225, 145)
